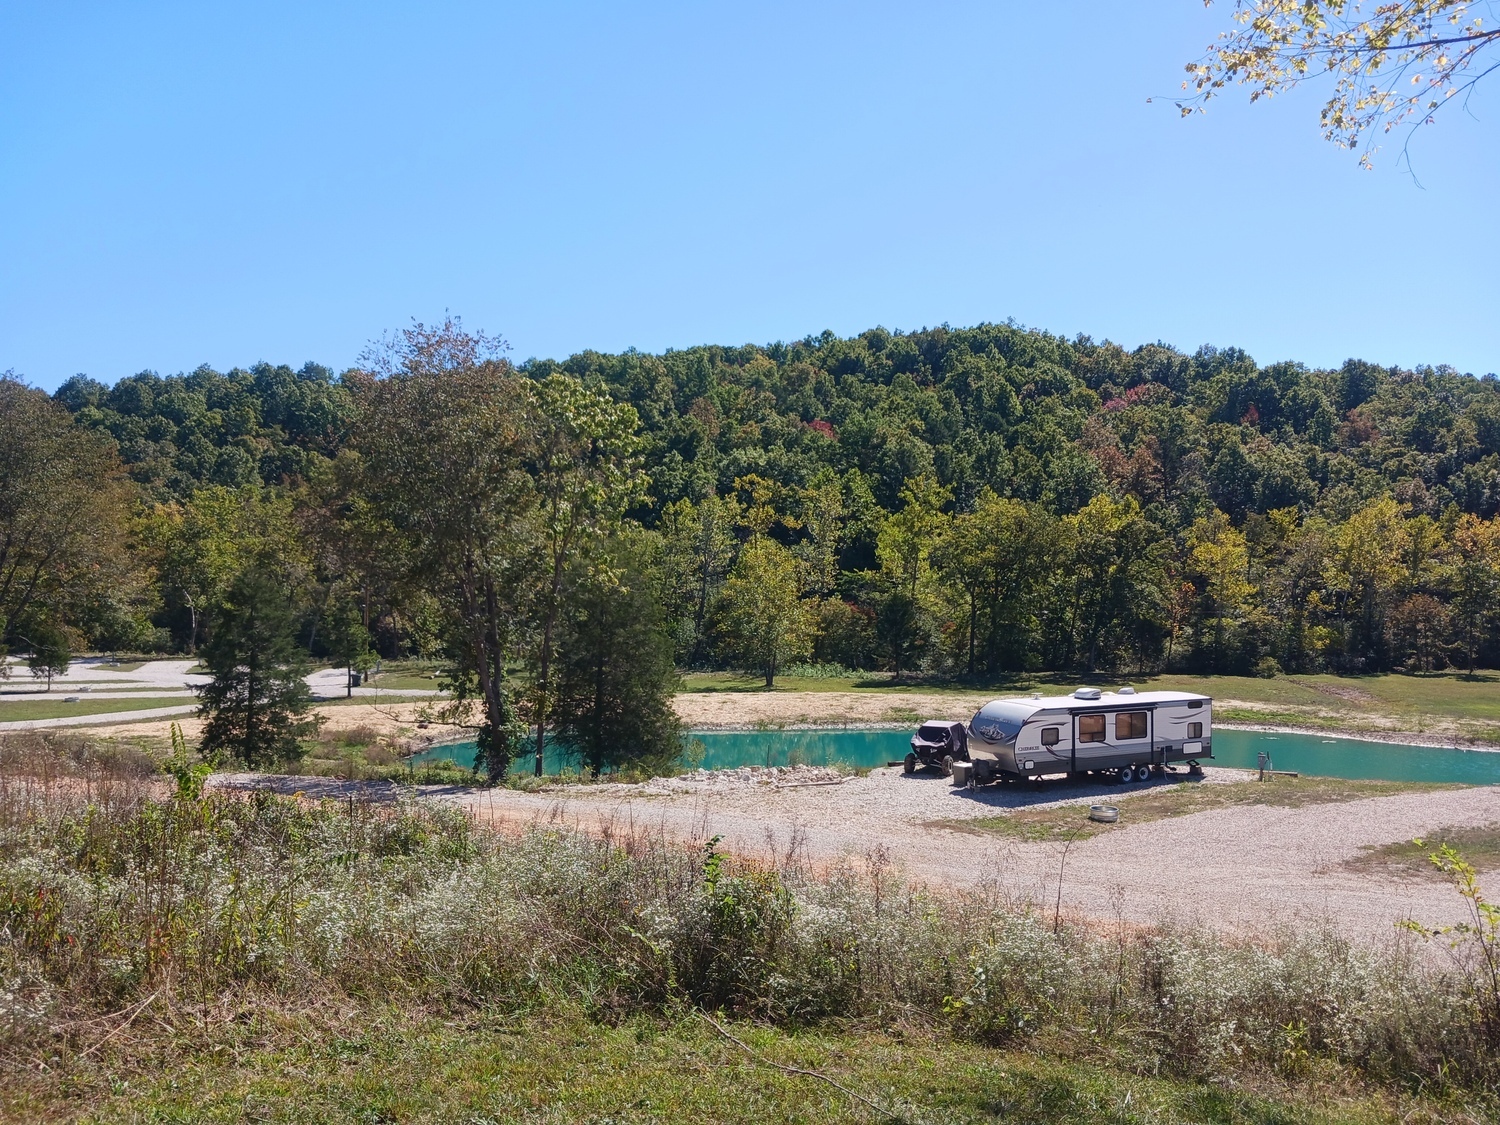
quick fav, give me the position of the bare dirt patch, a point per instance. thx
(1342, 691)
(731, 710)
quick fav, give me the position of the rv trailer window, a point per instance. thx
(1195, 730)
(1195, 704)
(1049, 736)
(1090, 728)
(1130, 724)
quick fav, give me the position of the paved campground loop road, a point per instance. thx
(169, 682)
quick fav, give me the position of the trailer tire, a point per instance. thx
(1143, 773)
(1126, 774)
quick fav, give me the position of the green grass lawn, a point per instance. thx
(403, 681)
(14, 710)
(1478, 845)
(368, 700)
(481, 1068)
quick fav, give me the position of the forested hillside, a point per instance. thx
(974, 501)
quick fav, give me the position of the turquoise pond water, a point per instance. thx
(1304, 753)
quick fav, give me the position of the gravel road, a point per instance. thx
(1246, 869)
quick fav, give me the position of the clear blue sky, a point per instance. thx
(206, 183)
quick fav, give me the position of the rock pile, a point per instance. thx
(744, 777)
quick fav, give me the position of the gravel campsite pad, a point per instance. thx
(1246, 868)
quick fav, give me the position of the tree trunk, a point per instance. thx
(544, 682)
(973, 626)
(192, 623)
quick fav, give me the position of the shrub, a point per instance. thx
(113, 890)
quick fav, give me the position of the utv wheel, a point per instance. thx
(910, 765)
(1143, 773)
(948, 765)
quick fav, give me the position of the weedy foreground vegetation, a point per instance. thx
(171, 955)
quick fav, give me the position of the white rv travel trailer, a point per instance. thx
(1126, 734)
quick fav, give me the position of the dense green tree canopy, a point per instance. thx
(1037, 502)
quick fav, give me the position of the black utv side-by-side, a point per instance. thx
(938, 743)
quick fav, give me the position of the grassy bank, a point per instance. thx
(1441, 707)
(13, 710)
(395, 1063)
(179, 958)
(1479, 845)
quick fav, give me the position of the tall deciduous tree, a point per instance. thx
(347, 638)
(1219, 562)
(1389, 62)
(1117, 582)
(51, 652)
(200, 544)
(908, 537)
(445, 425)
(763, 620)
(698, 549)
(586, 465)
(616, 676)
(1364, 571)
(63, 510)
(996, 559)
(1474, 581)
(257, 701)
(822, 518)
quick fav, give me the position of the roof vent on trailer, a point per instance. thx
(1127, 690)
(1086, 693)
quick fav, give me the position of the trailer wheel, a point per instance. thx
(1126, 774)
(1143, 773)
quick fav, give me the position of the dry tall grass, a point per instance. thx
(116, 895)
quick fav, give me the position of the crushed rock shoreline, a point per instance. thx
(1393, 738)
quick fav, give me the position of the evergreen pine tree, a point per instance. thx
(258, 699)
(616, 677)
